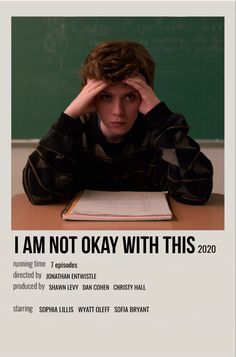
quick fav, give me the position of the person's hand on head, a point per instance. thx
(148, 98)
(83, 103)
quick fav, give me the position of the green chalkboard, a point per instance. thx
(47, 53)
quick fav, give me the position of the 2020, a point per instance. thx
(205, 249)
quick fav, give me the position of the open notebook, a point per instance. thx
(118, 206)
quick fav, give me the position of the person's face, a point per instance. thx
(117, 107)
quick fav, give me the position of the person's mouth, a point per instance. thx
(117, 124)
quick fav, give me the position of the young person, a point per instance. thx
(118, 135)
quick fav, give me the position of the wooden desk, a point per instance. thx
(210, 216)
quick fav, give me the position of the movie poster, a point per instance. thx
(117, 289)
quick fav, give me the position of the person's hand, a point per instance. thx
(83, 103)
(148, 98)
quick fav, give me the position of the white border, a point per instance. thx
(225, 240)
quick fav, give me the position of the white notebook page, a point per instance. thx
(122, 203)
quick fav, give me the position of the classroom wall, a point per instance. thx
(213, 150)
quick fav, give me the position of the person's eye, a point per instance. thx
(130, 97)
(105, 97)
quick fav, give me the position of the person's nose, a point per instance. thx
(118, 107)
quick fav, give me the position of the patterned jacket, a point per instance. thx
(156, 155)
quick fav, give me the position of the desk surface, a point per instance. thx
(210, 216)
